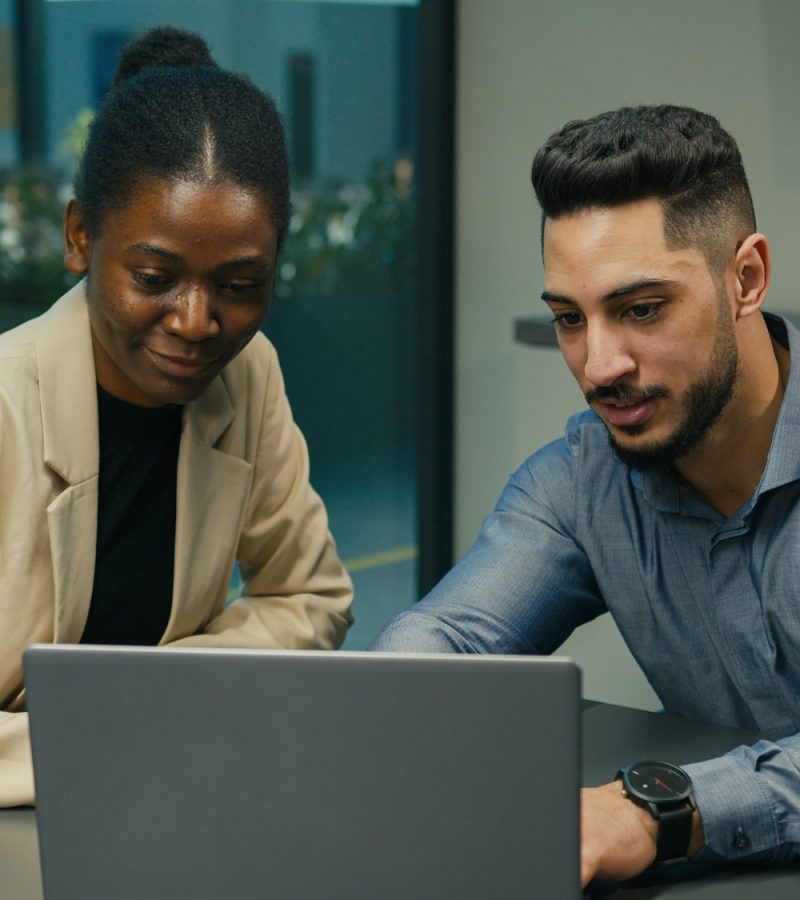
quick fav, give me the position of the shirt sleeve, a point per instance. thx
(523, 587)
(749, 800)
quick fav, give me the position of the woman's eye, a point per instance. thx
(567, 319)
(242, 287)
(150, 279)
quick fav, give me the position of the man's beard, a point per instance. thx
(704, 402)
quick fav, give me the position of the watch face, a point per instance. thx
(658, 782)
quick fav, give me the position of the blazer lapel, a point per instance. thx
(72, 521)
(212, 494)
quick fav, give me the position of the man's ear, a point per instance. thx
(76, 241)
(752, 274)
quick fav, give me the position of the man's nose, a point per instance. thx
(608, 357)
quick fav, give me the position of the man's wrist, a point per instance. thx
(664, 792)
(697, 840)
(648, 823)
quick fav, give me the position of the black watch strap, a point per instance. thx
(674, 833)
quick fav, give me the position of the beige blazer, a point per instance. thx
(243, 493)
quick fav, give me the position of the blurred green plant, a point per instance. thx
(31, 257)
(74, 138)
(32, 200)
(352, 239)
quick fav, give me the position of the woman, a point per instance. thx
(146, 440)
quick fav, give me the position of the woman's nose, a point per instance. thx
(193, 316)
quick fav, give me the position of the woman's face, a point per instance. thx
(178, 281)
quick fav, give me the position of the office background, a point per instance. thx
(524, 69)
(359, 83)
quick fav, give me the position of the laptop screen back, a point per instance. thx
(223, 773)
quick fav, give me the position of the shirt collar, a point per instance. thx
(783, 462)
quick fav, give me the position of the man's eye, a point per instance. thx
(567, 319)
(643, 310)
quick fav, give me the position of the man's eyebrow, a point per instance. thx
(643, 284)
(549, 297)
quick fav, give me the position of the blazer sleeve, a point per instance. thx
(16, 768)
(296, 593)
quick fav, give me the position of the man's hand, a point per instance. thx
(618, 838)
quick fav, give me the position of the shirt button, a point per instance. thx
(741, 841)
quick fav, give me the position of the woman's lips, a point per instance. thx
(181, 367)
(627, 412)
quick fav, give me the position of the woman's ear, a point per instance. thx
(76, 241)
(753, 270)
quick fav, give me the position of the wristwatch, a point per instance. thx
(665, 791)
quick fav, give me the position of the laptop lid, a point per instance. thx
(233, 773)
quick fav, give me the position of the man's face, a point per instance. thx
(179, 281)
(647, 331)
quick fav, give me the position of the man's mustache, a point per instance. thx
(625, 392)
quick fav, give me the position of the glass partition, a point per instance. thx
(346, 313)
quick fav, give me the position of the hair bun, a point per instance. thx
(160, 47)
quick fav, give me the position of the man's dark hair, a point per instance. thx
(675, 154)
(174, 114)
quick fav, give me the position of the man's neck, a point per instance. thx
(726, 469)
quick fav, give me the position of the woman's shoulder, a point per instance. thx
(20, 340)
(18, 368)
(66, 315)
(20, 396)
(45, 347)
(254, 366)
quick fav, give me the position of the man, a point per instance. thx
(674, 502)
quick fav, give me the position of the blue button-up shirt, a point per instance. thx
(709, 606)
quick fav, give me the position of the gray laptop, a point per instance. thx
(166, 773)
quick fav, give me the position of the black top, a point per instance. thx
(132, 592)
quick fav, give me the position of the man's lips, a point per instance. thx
(625, 412)
(181, 366)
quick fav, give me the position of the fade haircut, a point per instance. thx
(173, 114)
(680, 156)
